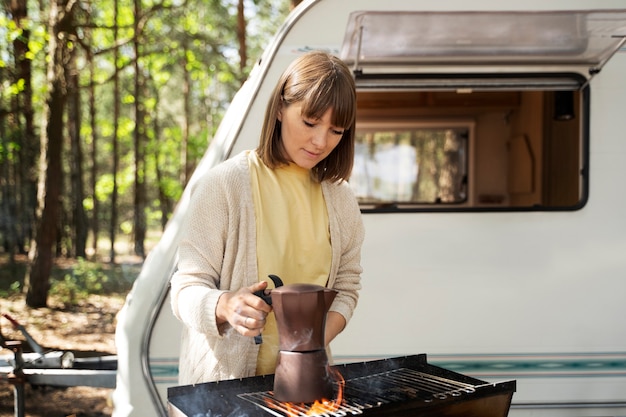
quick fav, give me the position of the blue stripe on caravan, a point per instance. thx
(579, 365)
(541, 365)
(164, 370)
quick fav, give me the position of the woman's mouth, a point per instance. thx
(313, 155)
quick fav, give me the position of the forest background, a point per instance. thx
(106, 107)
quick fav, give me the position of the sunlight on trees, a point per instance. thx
(176, 67)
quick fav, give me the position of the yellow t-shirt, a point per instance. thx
(293, 236)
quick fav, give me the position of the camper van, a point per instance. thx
(491, 150)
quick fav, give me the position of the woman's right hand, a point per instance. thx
(243, 310)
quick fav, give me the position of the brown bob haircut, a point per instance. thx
(319, 81)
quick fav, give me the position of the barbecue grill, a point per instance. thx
(403, 386)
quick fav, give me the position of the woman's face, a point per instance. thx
(307, 141)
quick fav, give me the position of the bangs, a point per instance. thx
(327, 93)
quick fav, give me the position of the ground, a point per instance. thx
(88, 327)
(85, 326)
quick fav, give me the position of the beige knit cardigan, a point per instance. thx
(218, 253)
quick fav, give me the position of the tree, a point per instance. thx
(95, 210)
(19, 143)
(241, 37)
(112, 96)
(78, 217)
(139, 223)
(61, 30)
(115, 139)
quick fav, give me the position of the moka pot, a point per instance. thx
(302, 369)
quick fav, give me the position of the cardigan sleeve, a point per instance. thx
(347, 235)
(195, 287)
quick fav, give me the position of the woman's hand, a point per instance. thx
(335, 323)
(244, 311)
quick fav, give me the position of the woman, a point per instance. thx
(284, 209)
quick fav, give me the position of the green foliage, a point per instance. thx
(16, 88)
(85, 278)
(70, 281)
(14, 288)
(192, 42)
(172, 188)
(126, 227)
(104, 187)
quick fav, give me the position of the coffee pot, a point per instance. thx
(302, 369)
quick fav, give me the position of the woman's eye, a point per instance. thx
(313, 124)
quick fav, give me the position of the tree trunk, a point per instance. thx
(7, 229)
(139, 226)
(49, 189)
(421, 164)
(241, 35)
(294, 3)
(116, 122)
(95, 212)
(8, 186)
(27, 184)
(164, 201)
(450, 180)
(184, 147)
(78, 224)
(21, 202)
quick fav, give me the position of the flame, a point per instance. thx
(319, 407)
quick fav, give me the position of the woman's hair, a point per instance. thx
(319, 81)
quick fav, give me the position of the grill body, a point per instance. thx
(403, 386)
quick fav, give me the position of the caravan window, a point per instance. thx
(457, 111)
(435, 150)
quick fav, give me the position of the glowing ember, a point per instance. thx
(319, 407)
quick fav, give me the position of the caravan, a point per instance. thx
(490, 138)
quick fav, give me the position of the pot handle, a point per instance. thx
(266, 296)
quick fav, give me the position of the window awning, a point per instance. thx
(400, 42)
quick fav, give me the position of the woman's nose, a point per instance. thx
(319, 140)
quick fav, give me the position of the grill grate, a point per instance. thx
(405, 386)
(371, 391)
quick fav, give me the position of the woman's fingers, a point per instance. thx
(245, 311)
